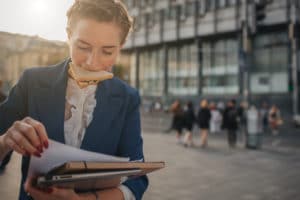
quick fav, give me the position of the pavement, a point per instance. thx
(217, 172)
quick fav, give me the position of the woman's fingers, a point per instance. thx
(27, 137)
(40, 131)
(15, 147)
(48, 193)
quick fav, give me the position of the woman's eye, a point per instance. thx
(83, 48)
(107, 52)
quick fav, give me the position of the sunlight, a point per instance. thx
(46, 18)
(38, 7)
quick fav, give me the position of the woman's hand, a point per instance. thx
(52, 193)
(55, 193)
(27, 137)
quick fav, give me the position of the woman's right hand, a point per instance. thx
(27, 137)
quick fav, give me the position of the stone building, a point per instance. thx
(18, 52)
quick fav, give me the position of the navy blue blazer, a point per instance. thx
(115, 129)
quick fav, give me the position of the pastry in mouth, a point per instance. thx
(85, 78)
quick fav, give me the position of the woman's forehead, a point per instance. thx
(91, 31)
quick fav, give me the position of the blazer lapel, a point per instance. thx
(106, 111)
(50, 102)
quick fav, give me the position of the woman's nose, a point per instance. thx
(93, 61)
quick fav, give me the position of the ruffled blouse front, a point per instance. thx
(79, 108)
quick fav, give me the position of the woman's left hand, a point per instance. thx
(52, 193)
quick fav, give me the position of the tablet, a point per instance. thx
(87, 181)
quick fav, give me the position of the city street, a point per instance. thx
(217, 173)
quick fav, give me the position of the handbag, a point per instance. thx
(279, 122)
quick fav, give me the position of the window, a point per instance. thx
(210, 5)
(131, 3)
(221, 3)
(220, 67)
(170, 13)
(232, 2)
(155, 18)
(140, 22)
(201, 8)
(143, 3)
(183, 72)
(190, 8)
(151, 72)
(269, 73)
(133, 66)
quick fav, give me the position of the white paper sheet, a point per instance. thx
(59, 153)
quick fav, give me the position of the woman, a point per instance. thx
(230, 122)
(189, 119)
(274, 119)
(53, 103)
(177, 121)
(203, 121)
(216, 119)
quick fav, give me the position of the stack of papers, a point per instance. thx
(68, 167)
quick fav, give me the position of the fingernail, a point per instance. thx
(37, 154)
(49, 190)
(40, 149)
(46, 144)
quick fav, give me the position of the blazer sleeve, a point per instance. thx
(131, 144)
(15, 106)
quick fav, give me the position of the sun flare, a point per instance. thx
(38, 7)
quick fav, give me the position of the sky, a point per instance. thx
(45, 18)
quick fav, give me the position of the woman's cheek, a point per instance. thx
(109, 63)
(78, 58)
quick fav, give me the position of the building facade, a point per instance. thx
(215, 49)
(18, 52)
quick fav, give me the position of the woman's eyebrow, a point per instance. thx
(81, 41)
(108, 47)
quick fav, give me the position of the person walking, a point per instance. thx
(189, 120)
(230, 123)
(178, 119)
(263, 112)
(216, 119)
(274, 119)
(242, 119)
(203, 119)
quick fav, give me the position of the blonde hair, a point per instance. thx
(204, 103)
(101, 11)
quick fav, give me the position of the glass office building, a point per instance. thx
(193, 49)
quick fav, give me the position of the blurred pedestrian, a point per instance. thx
(263, 112)
(178, 119)
(203, 119)
(157, 106)
(189, 120)
(274, 119)
(216, 119)
(221, 107)
(230, 122)
(242, 119)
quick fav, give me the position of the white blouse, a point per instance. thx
(80, 105)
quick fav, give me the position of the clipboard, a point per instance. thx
(86, 176)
